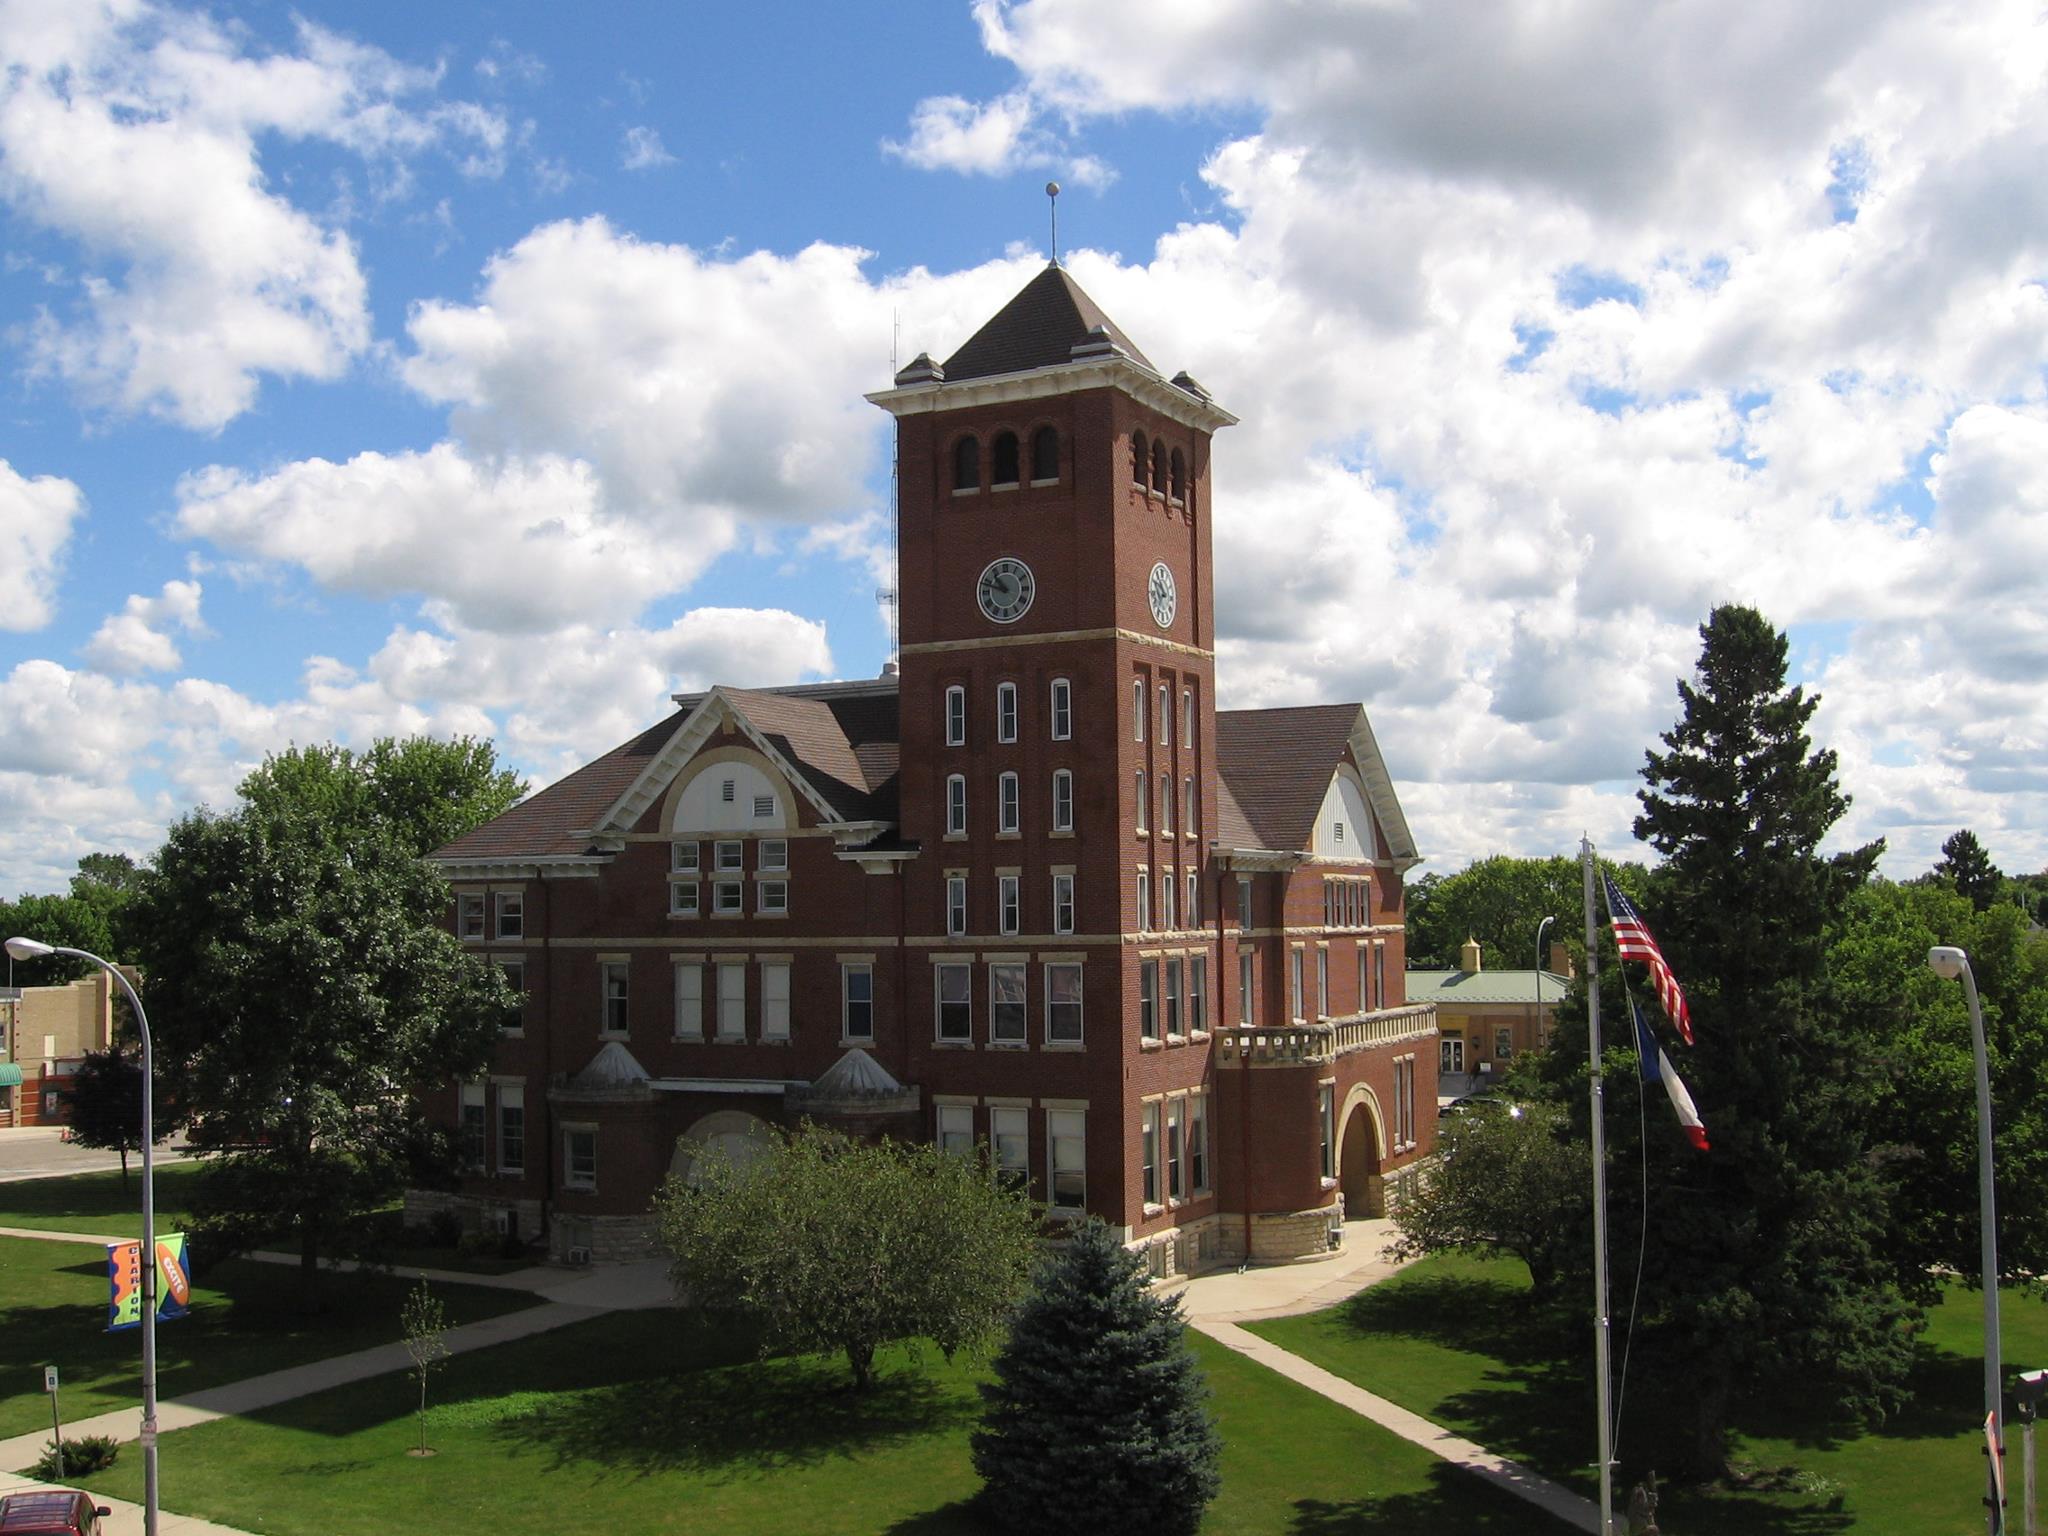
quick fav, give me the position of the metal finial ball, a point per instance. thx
(1052, 189)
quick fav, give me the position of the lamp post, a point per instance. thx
(31, 949)
(1536, 1017)
(1948, 962)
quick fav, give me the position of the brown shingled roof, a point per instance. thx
(1039, 328)
(546, 825)
(845, 748)
(1276, 765)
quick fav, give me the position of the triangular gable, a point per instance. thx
(1379, 792)
(700, 727)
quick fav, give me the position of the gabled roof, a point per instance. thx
(1039, 328)
(1275, 766)
(555, 822)
(839, 752)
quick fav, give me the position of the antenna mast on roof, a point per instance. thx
(1052, 197)
(885, 597)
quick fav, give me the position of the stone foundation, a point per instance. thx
(1189, 1250)
(1296, 1237)
(474, 1213)
(602, 1239)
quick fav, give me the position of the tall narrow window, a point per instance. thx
(1176, 477)
(1062, 903)
(1006, 1004)
(1166, 714)
(967, 465)
(732, 1002)
(1166, 805)
(1144, 901)
(1192, 913)
(1244, 988)
(1173, 976)
(774, 1000)
(1294, 999)
(612, 977)
(1159, 467)
(689, 1002)
(1063, 1004)
(1045, 456)
(1141, 460)
(1062, 800)
(1187, 719)
(953, 1000)
(579, 1157)
(1009, 1132)
(1066, 1160)
(1322, 983)
(1006, 803)
(511, 1128)
(1148, 1000)
(1062, 709)
(1176, 1166)
(1002, 469)
(1187, 806)
(1364, 978)
(956, 905)
(1326, 1116)
(956, 806)
(857, 1000)
(511, 914)
(1379, 974)
(1244, 901)
(473, 1127)
(1198, 1142)
(469, 914)
(1141, 795)
(1006, 903)
(956, 716)
(1198, 994)
(1166, 923)
(1148, 1151)
(1137, 709)
(1006, 712)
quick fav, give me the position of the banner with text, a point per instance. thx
(124, 1278)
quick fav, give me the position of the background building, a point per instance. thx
(48, 1031)
(1028, 888)
(1486, 1019)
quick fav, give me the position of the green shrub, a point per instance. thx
(83, 1456)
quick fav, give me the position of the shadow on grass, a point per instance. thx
(1495, 1318)
(750, 1418)
(962, 1517)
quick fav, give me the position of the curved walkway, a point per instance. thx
(1217, 1303)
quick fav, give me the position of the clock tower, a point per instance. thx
(1057, 708)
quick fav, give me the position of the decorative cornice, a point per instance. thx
(1056, 637)
(1112, 372)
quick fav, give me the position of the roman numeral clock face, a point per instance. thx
(1005, 590)
(1162, 594)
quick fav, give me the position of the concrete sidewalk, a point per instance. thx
(125, 1519)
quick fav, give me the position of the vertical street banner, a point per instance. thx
(124, 1281)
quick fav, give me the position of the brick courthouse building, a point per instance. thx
(1032, 890)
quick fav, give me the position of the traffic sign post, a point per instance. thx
(56, 1426)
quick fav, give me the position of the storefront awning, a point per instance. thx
(10, 1075)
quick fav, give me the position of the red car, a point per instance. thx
(52, 1512)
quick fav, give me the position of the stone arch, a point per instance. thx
(741, 1136)
(1361, 1149)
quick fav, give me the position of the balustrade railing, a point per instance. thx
(1294, 1044)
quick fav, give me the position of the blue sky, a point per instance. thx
(372, 369)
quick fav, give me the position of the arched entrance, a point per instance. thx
(1361, 1143)
(738, 1135)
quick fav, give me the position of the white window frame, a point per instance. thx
(508, 913)
(848, 969)
(1166, 714)
(1063, 800)
(1144, 913)
(1191, 910)
(956, 905)
(471, 1136)
(571, 1134)
(1062, 702)
(1187, 719)
(1009, 904)
(1296, 969)
(1176, 1151)
(1079, 1004)
(953, 975)
(1322, 982)
(1166, 805)
(1171, 971)
(1326, 1127)
(729, 856)
(1009, 803)
(956, 715)
(1148, 1000)
(1166, 892)
(956, 805)
(1066, 1131)
(685, 858)
(685, 898)
(1141, 787)
(513, 969)
(688, 989)
(614, 986)
(1006, 712)
(1198, 1144)
(728, 898)
(1188, 822)
(1198, 995)
(1137, 709)
(1019, 973)
(771, 898)
(732, 1000)
(775, 990)
(953, 1128)
(1009, 1134)
(1244, 901)
(470, 921)
(1245, 965)
(511, 1096)
(1148, 1155)
(774, 858)
(1062, 903)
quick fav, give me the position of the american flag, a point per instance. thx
(1632, 939)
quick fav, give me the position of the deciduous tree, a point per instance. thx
(106, 1105)
(1965, 865)
(831, 1243)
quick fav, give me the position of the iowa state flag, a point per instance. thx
(1656, 1067)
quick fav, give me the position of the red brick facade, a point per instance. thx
(1075, 751)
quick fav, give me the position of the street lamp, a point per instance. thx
(1536, 1019)
(1948, 962)
(32, 949)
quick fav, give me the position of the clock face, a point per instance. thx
(1005, 590)
(1164, 597)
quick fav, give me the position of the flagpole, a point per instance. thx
(1601, 1329)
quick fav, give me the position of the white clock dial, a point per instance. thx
(1005, 590)
(1164, 596)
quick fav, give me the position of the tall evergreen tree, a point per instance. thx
(1766, 1262)
(1096, 1419)
(1965, 865)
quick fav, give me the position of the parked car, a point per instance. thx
(1486, 1101)
(50, 1512)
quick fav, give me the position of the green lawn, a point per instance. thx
(644, 1421)
(244, 1322)
(98, 1202)
(1453, 1339)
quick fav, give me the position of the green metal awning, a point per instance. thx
(10, 1075)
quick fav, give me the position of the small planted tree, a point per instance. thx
(1097, 1418)
(830, 1243)
(425, 1322)
(106, 1105)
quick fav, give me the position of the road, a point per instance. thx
(39, 1152)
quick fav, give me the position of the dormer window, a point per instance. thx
(1003, 462)
(966, 465)
(1045, 456)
